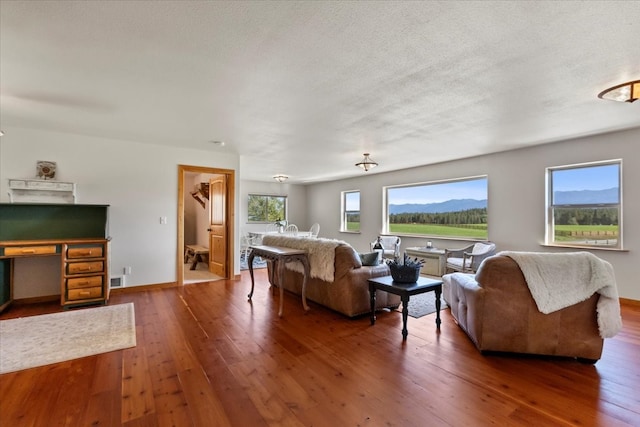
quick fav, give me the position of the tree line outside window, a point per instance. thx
(266, 209)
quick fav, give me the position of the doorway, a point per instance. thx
(224, 216)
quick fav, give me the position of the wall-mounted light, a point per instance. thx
(625, 92)
(367, 163)
(280, 177)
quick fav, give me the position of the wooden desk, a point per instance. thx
(77, 234)
(280, 256)
(84, 267)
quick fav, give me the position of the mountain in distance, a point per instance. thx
(453, 205)
(586, 197)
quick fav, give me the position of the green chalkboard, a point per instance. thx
(33, 221)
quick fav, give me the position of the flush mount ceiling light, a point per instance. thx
(367, 163)
(626, 92)
(280, 178)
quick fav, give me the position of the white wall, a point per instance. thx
(516, 198)
(138, 181)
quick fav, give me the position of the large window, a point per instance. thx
(265, 209)
(584, 205)
(350, 211)
(453, 208)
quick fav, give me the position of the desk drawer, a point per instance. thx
(84, 293)
(85, 267)
(87, 252)
(84, 282)
(29, 250)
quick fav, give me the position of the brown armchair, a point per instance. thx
(497, 311)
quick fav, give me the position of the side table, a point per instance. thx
(280, 256)
(433, 260)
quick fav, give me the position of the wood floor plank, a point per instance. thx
(137, 388)
(170, 402)
(103, 409)
(77, 385)
(204, 405)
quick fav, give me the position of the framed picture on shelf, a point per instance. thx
(45, 169)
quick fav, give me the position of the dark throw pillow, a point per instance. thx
(369, 259)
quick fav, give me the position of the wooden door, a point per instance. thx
(218, 230)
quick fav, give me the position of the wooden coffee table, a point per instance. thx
(405, 290)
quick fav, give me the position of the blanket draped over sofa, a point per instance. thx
(321, 253)
(559, 280)
(338, 280)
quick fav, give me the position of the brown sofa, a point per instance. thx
(497, 311)
(348, 293)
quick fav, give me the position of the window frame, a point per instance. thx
(268, 196)
(385, 208)
(344, 223)
(550, 206)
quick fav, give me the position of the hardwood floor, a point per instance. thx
(205, 356)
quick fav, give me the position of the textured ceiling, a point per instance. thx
(304, 88)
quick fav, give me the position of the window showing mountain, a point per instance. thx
(584, 205)
(446, 206)
(586, 197)
(451, 208)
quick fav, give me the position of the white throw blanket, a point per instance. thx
(322, 253)
(559, 280)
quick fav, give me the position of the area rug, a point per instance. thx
(257, 263)
(423, 304)
(27, 342)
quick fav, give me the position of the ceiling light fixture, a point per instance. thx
(367, 163)
(280, 177)
(626, 92)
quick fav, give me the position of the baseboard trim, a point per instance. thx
(36, 300)
(141, 288)
(630, 302)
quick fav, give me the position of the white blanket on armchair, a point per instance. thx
(558, 280)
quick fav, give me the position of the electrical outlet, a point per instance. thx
(126, 270)
(163, 220)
